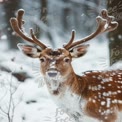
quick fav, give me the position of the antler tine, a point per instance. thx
(17, 23)
(20, 14)
(15, 27)
(112, 25)
(36, 40)
(71, 40)
(105, 24)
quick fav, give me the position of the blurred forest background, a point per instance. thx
(53, 20)
(51, 17)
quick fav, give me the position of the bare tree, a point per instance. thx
(7, 100)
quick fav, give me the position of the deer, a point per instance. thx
(96, 94)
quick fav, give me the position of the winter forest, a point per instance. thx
(23, 94)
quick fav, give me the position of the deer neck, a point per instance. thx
(78, 85)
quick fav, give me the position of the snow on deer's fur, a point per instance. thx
(97, 94)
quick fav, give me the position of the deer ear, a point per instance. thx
(29, 50)
(78, 51)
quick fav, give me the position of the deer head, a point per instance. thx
(56, 63)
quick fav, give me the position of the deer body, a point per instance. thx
(97, 94)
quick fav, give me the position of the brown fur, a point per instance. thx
(86, 86)
(96, 87)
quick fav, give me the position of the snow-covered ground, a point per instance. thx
(30, 99)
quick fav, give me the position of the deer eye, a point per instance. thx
(42, 59)
(67, 59)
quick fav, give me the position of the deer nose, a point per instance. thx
(52, 73)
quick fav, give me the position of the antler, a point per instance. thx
(105, 22)
(71, 40)
(17, 25)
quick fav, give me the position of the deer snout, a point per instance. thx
(52, 71)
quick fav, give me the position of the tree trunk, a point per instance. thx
(66, 13)
(44, 19)
(10, 8)
(115, 37)
(43, 11)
